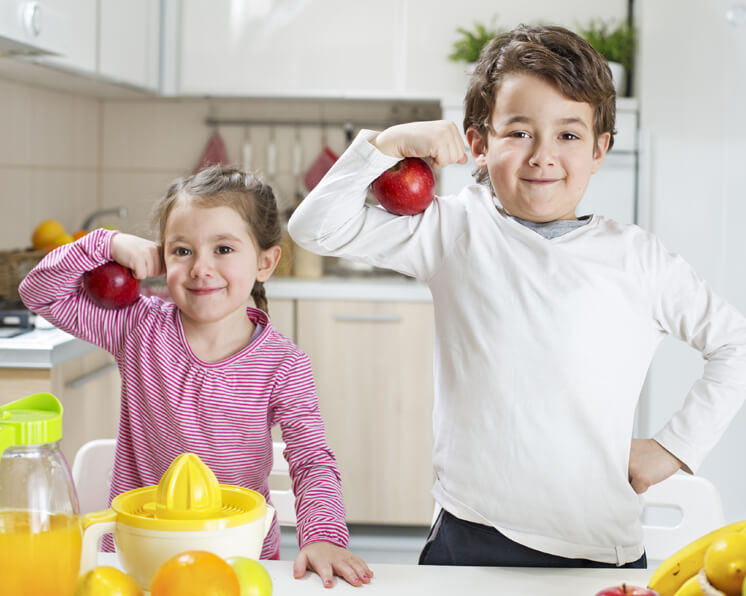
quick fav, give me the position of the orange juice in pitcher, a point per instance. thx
(39, 558)
(40, 531)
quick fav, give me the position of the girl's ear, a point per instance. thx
(267, 262)
(478, 146)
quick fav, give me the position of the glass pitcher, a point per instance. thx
(40, 531)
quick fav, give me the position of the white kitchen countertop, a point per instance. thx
(41, 348)
(406, 580)
(394, 288)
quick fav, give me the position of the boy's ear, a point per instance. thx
(599, 152)
(267, 262)
(478, 146)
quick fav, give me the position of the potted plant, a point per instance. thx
(470, 43)
(615, 41)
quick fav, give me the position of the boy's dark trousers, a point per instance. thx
(453, 541)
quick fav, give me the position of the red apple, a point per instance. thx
(111, 286)
(627, 589)
(406, 188)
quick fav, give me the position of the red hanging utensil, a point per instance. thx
(320, 166)
(214, 153)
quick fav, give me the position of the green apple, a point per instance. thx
(252, 576)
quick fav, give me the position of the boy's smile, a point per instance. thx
(540, 152)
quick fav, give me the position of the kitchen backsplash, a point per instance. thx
(63, 156)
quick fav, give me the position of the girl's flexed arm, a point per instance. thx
(54, 289)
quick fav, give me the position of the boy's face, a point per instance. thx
(542, 153)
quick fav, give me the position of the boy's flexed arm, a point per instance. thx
(334, 218)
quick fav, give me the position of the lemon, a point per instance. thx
(252, 576)
(60, 240)
(725, 563)
(107, 581)
(46, 233)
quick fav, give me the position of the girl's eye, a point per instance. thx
(180, 251)
(224, 250)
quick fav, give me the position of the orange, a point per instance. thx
(59, 241)
(107, 581)
(195, 573)
(46, 233)
(77, 235)
(725, 563)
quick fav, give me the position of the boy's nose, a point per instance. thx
(542, 154)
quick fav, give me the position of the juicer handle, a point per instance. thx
(269, 515)
(95, 525)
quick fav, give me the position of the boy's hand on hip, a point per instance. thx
(328, 560)
(650, 463)
(438, 140)
(142, 256)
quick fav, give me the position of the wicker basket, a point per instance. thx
(14, 265)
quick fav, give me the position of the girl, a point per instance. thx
(207, 373)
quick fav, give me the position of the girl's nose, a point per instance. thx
(201, 266)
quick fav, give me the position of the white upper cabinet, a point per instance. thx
(65, 28)
(339, 48)
(298, 48)
(129, 42)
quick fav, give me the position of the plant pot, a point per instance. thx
(619, 77)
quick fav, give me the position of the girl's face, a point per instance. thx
(542, 153)
(212, 262)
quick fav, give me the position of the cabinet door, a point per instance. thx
(282, 315)
(89, 389)
(129, 37)
(291, 48)
(67, 28)
(372, 363)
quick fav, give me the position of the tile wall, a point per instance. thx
(49, 158)
(64, 155)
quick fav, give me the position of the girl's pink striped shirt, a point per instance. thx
(172, 402)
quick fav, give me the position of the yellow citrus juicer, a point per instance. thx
(187, 510)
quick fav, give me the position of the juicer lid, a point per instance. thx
(32, 420)
(188, 497)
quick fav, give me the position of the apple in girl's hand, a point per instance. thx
(111, 286)
(406, 188)
(627, 589)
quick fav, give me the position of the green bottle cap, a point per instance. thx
(32, 420)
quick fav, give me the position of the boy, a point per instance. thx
(546, 323)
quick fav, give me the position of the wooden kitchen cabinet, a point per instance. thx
(88, 388)
(282, 315)
(372, 363)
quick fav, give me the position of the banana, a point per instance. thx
(691, 587)
(686, 562)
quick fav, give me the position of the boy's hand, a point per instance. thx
(649, 464)
(142, 256)
(328, 560)
(439, 140)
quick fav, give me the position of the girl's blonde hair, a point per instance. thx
(219, 186)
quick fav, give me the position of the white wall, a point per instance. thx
(692, 89)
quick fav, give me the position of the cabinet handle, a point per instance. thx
(32, 19)
(94, 374)
(353, 318)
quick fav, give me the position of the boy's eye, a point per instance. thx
(180, 251)
(519, 134)
(224, 250)
(569, 136)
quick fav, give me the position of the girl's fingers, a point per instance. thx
(347, 572)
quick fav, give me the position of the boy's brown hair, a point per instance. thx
(557, 55)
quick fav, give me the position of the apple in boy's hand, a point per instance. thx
(111, 286)
(627, 589)
(406, 188)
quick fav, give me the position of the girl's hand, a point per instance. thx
(649, 464)
(439, 140)
(328, 560)
(142, 256)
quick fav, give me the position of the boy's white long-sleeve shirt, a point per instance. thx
(541, 350)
